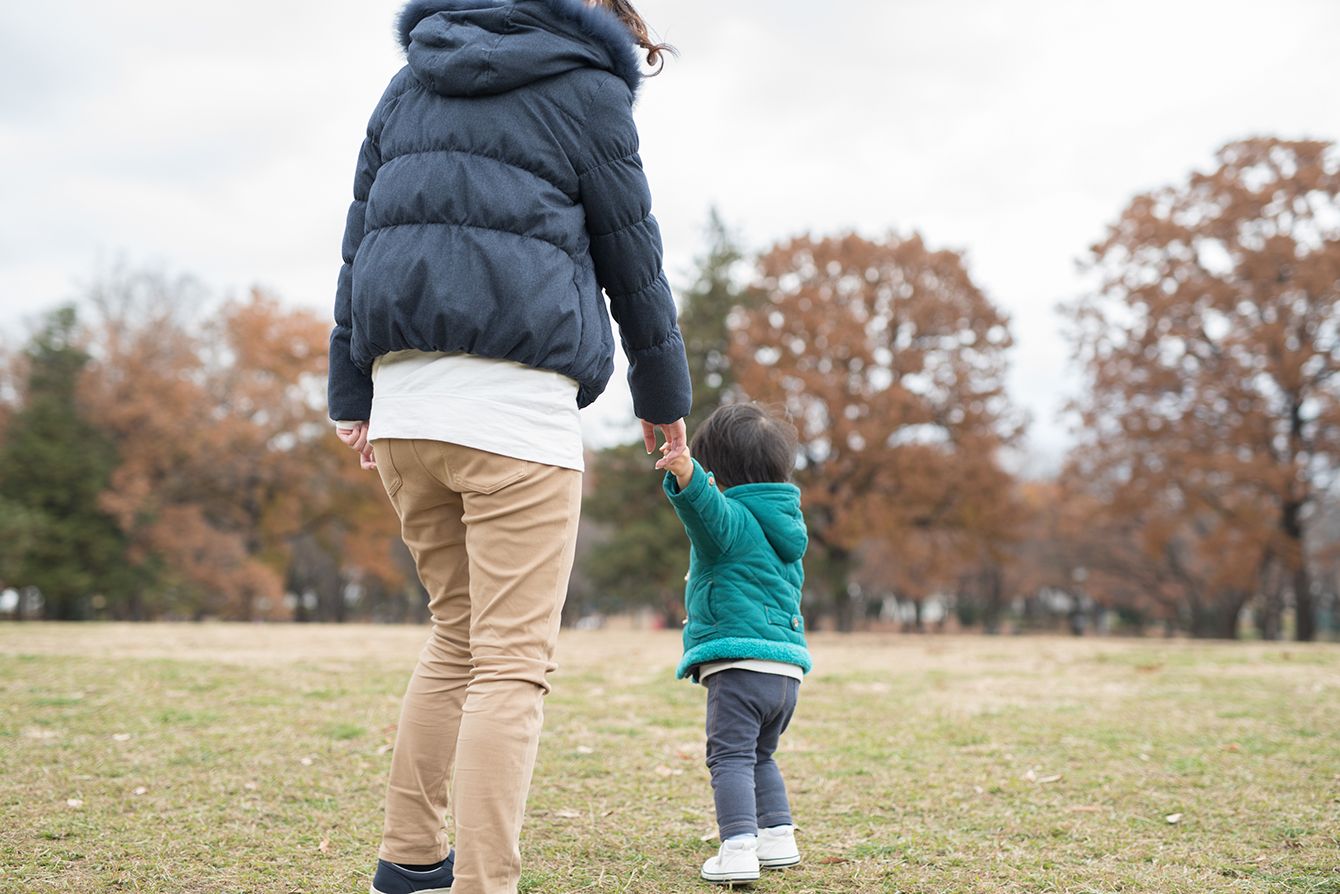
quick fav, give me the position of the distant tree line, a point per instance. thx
(165, 457)
(162, 456)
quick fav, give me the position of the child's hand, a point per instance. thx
(675, 435)
(681, 466)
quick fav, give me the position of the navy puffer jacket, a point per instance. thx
(499, 190)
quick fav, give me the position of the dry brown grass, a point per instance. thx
(219, 757)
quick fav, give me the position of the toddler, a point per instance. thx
(744, 637)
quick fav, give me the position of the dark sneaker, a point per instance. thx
(393, 879)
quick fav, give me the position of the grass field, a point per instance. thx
(220, 758)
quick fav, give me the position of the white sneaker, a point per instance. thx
(735, 863)
(777, 847)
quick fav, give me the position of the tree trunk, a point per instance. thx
(1305, 614)
(1218, 620)
(672, 611)
(1228, 621)
(1269, 620)
(844, 608)
(811, 616)
(992, 588)
(1291, 521)
(60, 608)
(844, 611)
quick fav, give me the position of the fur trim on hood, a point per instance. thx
(573, 19)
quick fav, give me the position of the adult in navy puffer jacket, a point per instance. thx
(499, 190)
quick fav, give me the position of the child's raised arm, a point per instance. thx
(710, 519)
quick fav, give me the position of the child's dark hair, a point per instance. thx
(745, 444)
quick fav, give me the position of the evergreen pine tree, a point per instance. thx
(703, 322)
(642, 557)
(53, 466)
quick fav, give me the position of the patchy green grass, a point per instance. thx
(220, 758)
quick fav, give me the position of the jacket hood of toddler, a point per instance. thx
(777, 509)
(455, 47)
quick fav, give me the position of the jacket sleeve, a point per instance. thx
(626, 250)
(349, 388)
(711, 521)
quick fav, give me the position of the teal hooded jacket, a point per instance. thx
(745, 571)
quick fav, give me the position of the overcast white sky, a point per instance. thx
(219, 139)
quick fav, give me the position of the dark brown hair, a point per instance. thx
(745, 444)
(641, 33)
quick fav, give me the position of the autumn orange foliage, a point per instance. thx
(1211, 343)
(226, 456)
(891, 362)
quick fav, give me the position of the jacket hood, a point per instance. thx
(455, 48)
(777, 508)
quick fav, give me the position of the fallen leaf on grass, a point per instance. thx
(568, 813)
(324, 846)
(121, 737)
(663, 770)
(1173, 818)
(1232, 746)
(140, 790)
(306, 762)
(75, 803)
(584, 749)
(1054, 777)
(830, 861)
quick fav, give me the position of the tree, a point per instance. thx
(53, 463)
(1210, 346)
(891, 362)
(641, 554)
(147, 388)
(704, 321)
(227, 460)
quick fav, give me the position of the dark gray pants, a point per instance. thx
(747, 713)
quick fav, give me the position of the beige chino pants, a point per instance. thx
(493, 540)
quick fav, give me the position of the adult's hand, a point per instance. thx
(356, 438)
(675, 434)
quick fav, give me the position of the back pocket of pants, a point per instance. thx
(480, 472)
